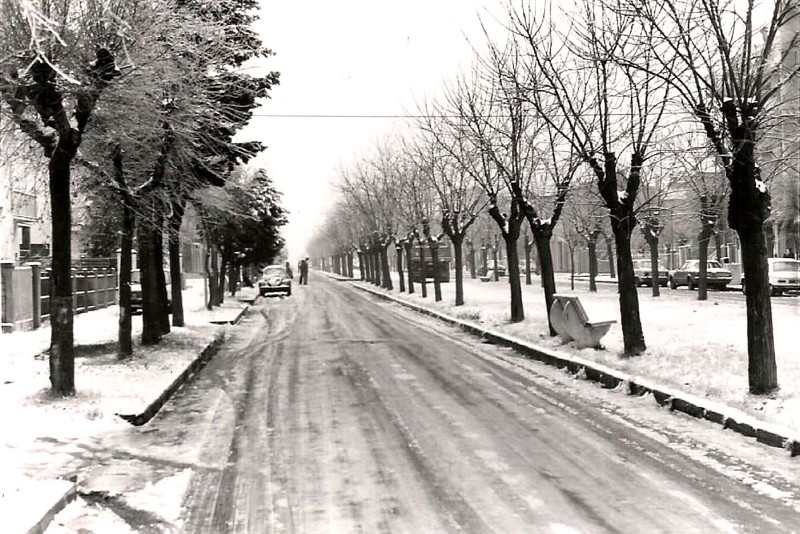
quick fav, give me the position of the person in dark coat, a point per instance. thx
(304, 272)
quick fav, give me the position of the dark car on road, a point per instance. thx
(642, 272)
(274, 280)
(784, 275)
(136, 291)
(717, 277)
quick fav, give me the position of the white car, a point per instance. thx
(784, 275)
(275, 279)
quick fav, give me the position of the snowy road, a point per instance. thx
(349, 418)
(329, 412)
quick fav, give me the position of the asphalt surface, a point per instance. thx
(331, 412)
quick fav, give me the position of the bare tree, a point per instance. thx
(700, 174)
(728, 66)
(495, 130)
(460, 200)
(599, 108)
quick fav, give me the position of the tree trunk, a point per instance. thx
(151, 314)
(761, 369)
(350, 264)
(409, 245)
(175, 268)
(233, 278)
(542, 239)
(591, 244)
(377, 268)
(471, 259)
(654, 271)
(495, 259)
(652, 244)
(571, 267)
(610, 252)
(125, 330)
(219, 298)
(458, 242)
(213, 277)
(437, 285)
(367, 272)
(62, 356)
(703, 239)
(423, 280)
(512, 271)
(387, 274)
(399, 252)
(631, 322)
(361, 266)
(484, 262)
(528, 246)
(161, 279)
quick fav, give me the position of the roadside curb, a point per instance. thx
(33, 516)
(195, 366)
(727, 417)
(67, 496)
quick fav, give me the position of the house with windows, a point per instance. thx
(24, 206)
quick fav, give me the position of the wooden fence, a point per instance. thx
(25, 293)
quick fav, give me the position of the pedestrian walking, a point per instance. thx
(303, 268)
(289, 272)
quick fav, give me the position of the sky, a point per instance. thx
(349, 57)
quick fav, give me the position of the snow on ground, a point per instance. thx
(699, 347)
(42, 433)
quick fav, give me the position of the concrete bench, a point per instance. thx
(570, 321)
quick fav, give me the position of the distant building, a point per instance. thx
(24, 205)
(782, 145)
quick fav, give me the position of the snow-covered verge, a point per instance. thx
(42, 435)
(699, 347)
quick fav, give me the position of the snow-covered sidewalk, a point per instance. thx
(42, 435)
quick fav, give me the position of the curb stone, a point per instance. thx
(195, 366)
(729, 418)
(28, 505)
(65, 497)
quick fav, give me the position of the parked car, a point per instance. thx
(717, 276)
(533, 268)
(784, 275)
(642, 271)
(501, 269)
(274, 279)
(136, 291)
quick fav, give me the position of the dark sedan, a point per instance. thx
(717, 277)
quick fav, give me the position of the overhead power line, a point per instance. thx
(337, 116)
(395, 116)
